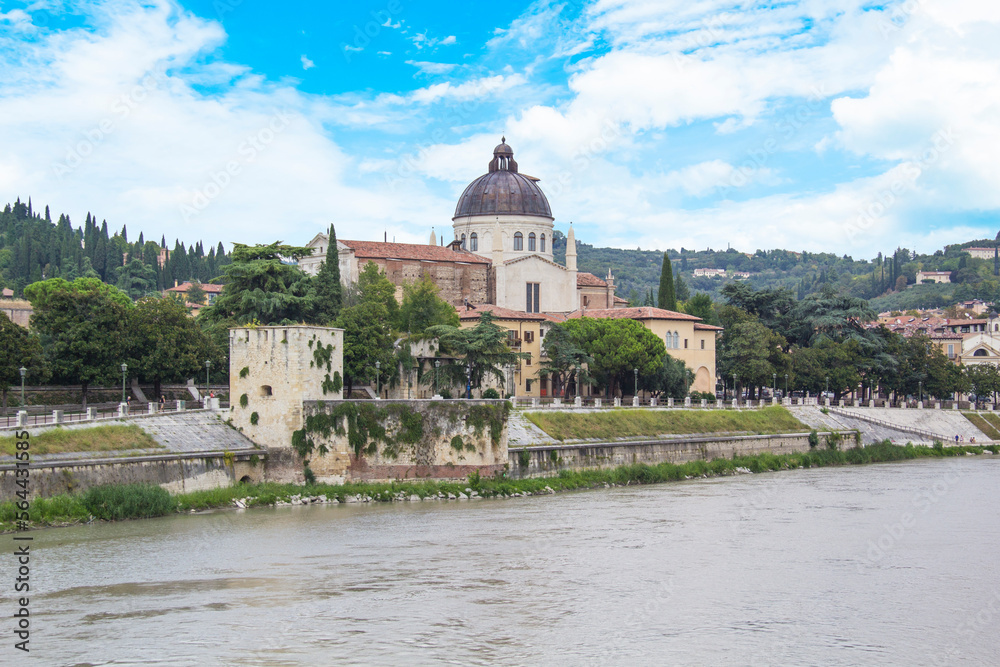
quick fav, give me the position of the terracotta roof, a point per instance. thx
(698, 326)
(618, 299)
(209, 288)
(644, 313)
(8, 292)
(589, 280)
(498, 312)
(431, 253)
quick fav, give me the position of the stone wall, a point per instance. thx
(548, 460)
(388, 440)
(177, 473)
(276, 369)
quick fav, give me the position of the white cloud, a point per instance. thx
(431, 68)
(306, 63)
(450, 39)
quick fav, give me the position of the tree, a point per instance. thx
(165, 345)
(18, 348)
(483, 349)
(672, 378)
(618, 347)
(983, 380)
(329, 291)
(422, 307)
(136, 279)
(196, 294)
(667, 298)
(562, 358)
(367, 329)
(749, 350)
(260, 287)
(700, 305)
(681, 290)
(82, 326)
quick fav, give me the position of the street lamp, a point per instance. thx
(827, 386)
(635, 372)
(208, 365)
(468, 382)
(735, 396)
(23, 371)
(437, 365)
(774, 385)
(124, 370)
(920, 383)
(786, 384)
(378, 386)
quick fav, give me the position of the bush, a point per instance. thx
(491, 393)
(113, 502)
(445, 393)
(813, 438)
(308, 474)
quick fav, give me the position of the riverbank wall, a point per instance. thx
(548, 460)
(177, 473)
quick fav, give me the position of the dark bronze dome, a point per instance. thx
(503, 190)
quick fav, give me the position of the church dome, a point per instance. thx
(503, 191)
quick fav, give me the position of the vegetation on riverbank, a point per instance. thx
(140, 501)
(627, 423)
(988, 423)
(97, 439)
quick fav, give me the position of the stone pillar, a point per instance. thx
(91, 414)
(181, 406)
(871, 403)
(954, 406)
(670, 401)
(57, 416)
(557, 402)
(122, 410)
(920, 405)
(534, 403)
(653, 403)
(578, 402)
(736, 403)
(618, 402)
(635, 401)
(786, 401)
(151, 408)
(704, 403)
(774, 400)
(22, 418)
(687, 401)
(842, 403)
(937, 405)
(902, 406)
(597, 402)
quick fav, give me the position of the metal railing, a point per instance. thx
(93, 414)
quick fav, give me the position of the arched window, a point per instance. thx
(463, 240)
(531, 242)
(541, 243)
(518, 241)
(980, 353)
(474, 242)
(677, 340)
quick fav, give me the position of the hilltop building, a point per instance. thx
(981, 253)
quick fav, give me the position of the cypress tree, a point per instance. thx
(667, 299)
(329, 293)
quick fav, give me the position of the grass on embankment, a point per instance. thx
(986, 422)
(626, 423)
(97, 439)
(139, 501)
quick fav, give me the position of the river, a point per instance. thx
(887, 564)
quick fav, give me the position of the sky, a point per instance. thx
(823, 125)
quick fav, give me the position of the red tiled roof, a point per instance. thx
(698, 326)
(431, 253)
(498, 312)
(644, 313)
(209, 288)
(589, 280)
(8, 292)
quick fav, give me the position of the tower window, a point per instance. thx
(541, 243)
(531, 242)
(463, 241)
(474, 242)
(518, 241)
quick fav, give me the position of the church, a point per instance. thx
(502, 259)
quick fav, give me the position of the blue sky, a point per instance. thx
(837, 125)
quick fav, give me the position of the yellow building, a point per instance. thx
(687, 338)
(524, 334)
